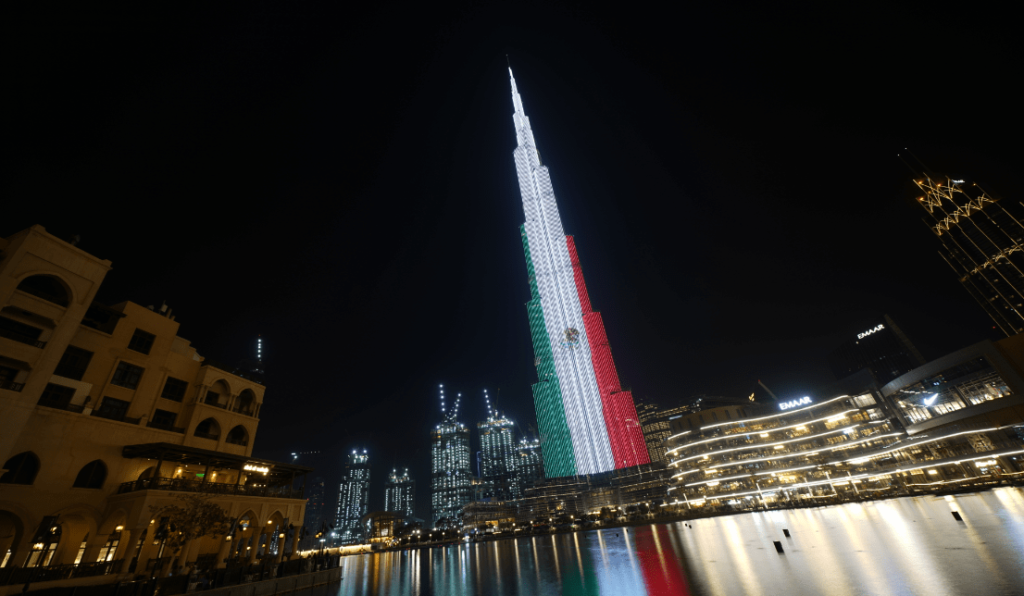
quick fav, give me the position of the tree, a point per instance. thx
(195, 516)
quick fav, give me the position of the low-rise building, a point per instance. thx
(107, 415)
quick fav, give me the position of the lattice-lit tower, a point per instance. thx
(983, 241)
(451, 480)
(400, 492)
(529, 464)
(353, 497)
(582, 410)
(498, 454)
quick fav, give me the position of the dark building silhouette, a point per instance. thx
(881, 348)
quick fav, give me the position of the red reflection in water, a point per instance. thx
(662, 573)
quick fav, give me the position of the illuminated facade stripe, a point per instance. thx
(556, 444)
(624, 432)
(560, 309)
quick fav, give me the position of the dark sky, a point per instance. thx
(340, 180)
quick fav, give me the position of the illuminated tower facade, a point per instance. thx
(451, 480)
(400, 492)
(983, 241)
(498, 454)
(583, 414)
(353, 497)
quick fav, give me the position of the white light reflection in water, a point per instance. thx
(902, 547)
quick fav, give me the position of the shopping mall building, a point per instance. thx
(956, 421)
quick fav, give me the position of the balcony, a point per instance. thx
(215, 488)
(162, 426)
(21, 338)
(116, 417)
(12, 386)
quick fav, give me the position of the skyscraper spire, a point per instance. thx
(582, 411)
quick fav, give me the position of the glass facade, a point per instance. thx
(498, 457)
(966, 384)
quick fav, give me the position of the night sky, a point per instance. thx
(340, 180)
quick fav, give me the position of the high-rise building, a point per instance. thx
(353, 497)
(400, 493)
(655, 422)
(451, 478)
(316, 509)
(880, 347)
(581, 406)
(498, 454)
(983, 241)
(529, 464)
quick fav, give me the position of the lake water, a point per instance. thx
(900, 546)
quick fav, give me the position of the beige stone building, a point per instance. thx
(106, 415)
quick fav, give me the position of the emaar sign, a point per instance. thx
(803, 401)
(870, 331)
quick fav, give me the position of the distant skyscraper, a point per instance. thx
(353, 497)
(316, 508)
(529, 464)
(498, 454)
(581, 408)
(451, 478)
(983, 241)
(400, 493)
(880, 347)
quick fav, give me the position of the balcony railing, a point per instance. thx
(22, 338)
(12, 386)
(217, 488)
(61, 405)
(210, 436)
(161, 426)
(115, 416)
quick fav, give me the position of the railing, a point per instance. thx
(22, 575)
(61, 405)
(210, 436)
(235, 370)
(116, 417)
(22, 338)
(12, 386)
(217, 488)
(161, 426)
(246, 411)
(216, 405)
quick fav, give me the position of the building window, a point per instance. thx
(208, 429)
(127, 375)
(21, 469)
(7, 376)
(164, 419)
(174, 389)
(112, 409)
(73, 363)
(56, 396)
(91, 475)
(238, 436)
(212, 398)
(47, 287)
(20, 332)
(141, 342)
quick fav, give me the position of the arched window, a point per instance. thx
(208, 429)
(47, 287)
(238, 436)
(92, 475)
(21, 469)
(246, 403)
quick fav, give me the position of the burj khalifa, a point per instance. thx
(587, 422)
